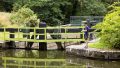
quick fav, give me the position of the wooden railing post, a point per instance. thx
(4, 33)
(18, 38)
(45, 33)
(34, 33)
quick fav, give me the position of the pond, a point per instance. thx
(49, 59)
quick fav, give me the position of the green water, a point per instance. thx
(70, 60)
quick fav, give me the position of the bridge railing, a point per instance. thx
(31, 34)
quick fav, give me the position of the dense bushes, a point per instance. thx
(24, 17)
(110, 34)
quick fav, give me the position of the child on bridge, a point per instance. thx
(86, 33)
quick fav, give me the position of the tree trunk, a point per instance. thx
(11, 44)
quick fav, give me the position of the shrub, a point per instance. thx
(24, 17)
(110, 34)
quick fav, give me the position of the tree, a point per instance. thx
(91, 7)
(24, 17)
(49, 10)
(5, 6)
(54, 11)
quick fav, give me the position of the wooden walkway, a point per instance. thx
(29, 34)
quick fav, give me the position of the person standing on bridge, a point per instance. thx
(86, 33)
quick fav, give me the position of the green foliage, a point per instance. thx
(91, 7)
(48, 10)
(24, 17)
(111, 7)
(110, 33)
(54, 11)
(98, 45)
(5, 6)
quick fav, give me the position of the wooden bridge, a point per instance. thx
(61, 34)
(42, 35)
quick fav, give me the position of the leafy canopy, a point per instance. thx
(48, 10)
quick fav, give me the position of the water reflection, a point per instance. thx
(33, 59)
(51, 58)
(92, 63)
(33, 54)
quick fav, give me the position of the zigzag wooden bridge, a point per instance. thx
(41, 35)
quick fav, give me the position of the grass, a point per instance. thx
(98, 45)
(5, 20)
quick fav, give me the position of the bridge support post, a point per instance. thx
(29, 44)
(42, 45)
(11, 44)
(59, 44)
